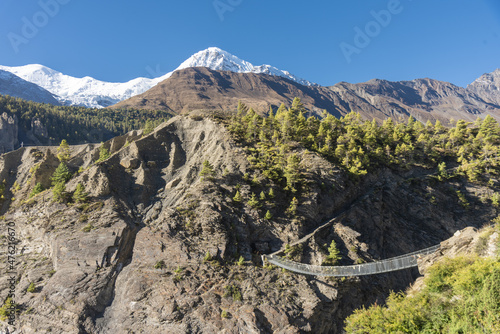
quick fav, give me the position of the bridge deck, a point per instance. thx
(396, 263)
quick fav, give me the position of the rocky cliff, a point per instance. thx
(158, 249)
(8, 133)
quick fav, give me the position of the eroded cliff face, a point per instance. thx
(8, 132)
(134, 259)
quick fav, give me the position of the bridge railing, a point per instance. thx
(396, 263)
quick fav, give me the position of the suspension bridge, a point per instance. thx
(378, 267)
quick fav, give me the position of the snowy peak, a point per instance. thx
(93, 93)
(220, 60)
(11, 84)
(86, 91)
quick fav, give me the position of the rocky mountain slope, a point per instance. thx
(13, 85)
(159, 249)
(487, 87)
(424, 99)
(204, 88)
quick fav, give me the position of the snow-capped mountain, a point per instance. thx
(86, 91)
(220, 60)
(93, 93)
(11, 84)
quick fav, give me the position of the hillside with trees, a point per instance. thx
(50, 124)
(360, 146)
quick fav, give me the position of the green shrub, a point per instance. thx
(38, 189)
(160, 264)
(495, 199)
(89, 227)
(461, 295)
(31, 288)
(207, 257)
(233, 291)
(463, 200)
(6, 309)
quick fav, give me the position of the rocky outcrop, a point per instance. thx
(157, 249)
(487, 87)
(8, 132)
(467, 242)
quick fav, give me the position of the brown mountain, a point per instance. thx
(203, 88)
(424, 99)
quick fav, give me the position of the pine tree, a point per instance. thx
(59, 192)
(237, 197)
(292, 172)
(262, 196)
(61, 175)
(148, 128)
(38, 189)
(292, 209)
(268, 215)
(253, 202)
(207, 171)
(271, 193)
(333, 255)
(103, 153)
(80, 195)
(63, 153)
(242, 109)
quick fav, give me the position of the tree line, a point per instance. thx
(360, 146)
(79, 124)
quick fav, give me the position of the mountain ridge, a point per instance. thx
(93, 93)
(424, 99)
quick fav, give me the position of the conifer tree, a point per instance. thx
(207, 171)
(61, 175)
(63, 151)
(59, 192)
(292, 209)
(38, 189)
(80, 195)
(103, 153)
(253, 202)
(148, 128)
(237, 197)
(292, 172)
(333, 255)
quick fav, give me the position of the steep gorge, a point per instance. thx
(133, 259)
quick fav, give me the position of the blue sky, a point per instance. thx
(449, 40)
